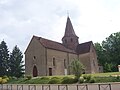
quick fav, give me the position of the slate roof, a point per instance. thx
(81, 48)
(69, 31)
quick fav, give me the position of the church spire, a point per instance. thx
(69, 31)
(70, 39)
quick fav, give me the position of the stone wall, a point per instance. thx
(35, 55)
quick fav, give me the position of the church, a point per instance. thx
(44, 57)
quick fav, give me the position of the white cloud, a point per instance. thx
(92, 19)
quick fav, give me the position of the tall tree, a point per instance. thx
(100, 52)
(16, 63)
(112, 47)
(4, 57)
(109, 52)
(103, 57)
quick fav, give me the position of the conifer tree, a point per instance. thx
(16, 63)
(4, 57)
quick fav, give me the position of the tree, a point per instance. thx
(109, 52)
(103, 57)
(100, 52)
(16, 63)
(112, 47)
(77, 68)
(4, 57)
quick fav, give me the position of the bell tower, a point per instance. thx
(70, 39)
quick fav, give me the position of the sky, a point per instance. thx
(92, 20)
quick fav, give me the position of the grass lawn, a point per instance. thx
(105, 74)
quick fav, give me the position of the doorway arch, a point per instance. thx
(35, 72)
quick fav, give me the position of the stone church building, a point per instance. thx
(44, 57)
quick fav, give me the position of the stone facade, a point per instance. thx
(44, 57)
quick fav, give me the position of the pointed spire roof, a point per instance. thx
(69, 31)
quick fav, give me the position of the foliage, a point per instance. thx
(81, 80)
(69, 80)
(87, 79)
(28, 77)
(7, 62)
(16, 63)
(77, 68)
(101, 53)
(4, 79)
(45, 78)
(109, 52)
(54, 80)
(4, 57)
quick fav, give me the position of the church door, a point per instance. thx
(50, 71)
(35, 72)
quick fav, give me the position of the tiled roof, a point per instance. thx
(83, 47)
(53, 45)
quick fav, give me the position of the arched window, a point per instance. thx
(54, 62)
(34, 57)
(71, 40)
(65, 66)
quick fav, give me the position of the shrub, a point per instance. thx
(81, 80)
(28, 77)
(87, 79)
(44, 78)
(69, 80)
(54, 80)
(118, 77)
(92, 80)
(0, 80)
(4, 81)
(5, 77)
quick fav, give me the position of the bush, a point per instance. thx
(69, 80)
(54, 80)
(5, 77)
(92, 80)
(4, 81)
(44, 78)
(0, 80)
(81, 80)
(28, 77)
(87, 79)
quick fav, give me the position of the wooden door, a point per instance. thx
(50, 71)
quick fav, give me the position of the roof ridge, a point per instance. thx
(53, 44)
(86, 42)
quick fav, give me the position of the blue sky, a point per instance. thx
(92, 20)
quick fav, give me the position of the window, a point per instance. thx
(65, 63)
(71, 40)
(65, 41)
(34, 57)
(53, 61)
(93, 62)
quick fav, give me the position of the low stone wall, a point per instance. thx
(102, 86)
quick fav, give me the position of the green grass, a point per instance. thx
(104, 74)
